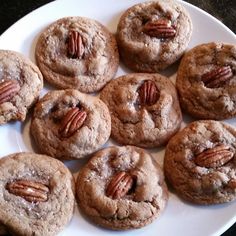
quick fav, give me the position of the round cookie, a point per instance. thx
(121, 188)
(200, 162)
(69, 125)
(153, 35)
(37, 194)
(144, 109)
(206, 81)
(77, 53)
(20, 85)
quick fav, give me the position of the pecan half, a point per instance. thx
(215, 78)
(31, 191)
(148, 93)
(119, 185)
(8, 89)
(75, 45)
(161, 28)
(232, 184)
(71, 122)
(214, 157)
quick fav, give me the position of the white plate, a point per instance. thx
(179, 218)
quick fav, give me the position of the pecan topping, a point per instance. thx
(75, 45)
(214, 157)
(148, 93)
(161, 28)
(31, 191)
(119, 185)
(8, 89)
(217, 77)
(232, 183)
(72, 121)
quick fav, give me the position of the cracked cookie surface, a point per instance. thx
(145, 200)
(91, 70)
(199, 68)
(136, 123)
(49, 119)
(20, 85)
(143, 52)
(20, 216)
(200, 162)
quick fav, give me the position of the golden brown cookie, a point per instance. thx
(68, 124)
(153, 35)
(20, 85)
(206, 81)
(37, 194)
(77, 53)
(200, 162)
(121, 188)
(144, 109)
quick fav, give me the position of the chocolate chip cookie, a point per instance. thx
(121, 188)
(37, 194)
(20, 85)
(153, 35)
(200, 162)
(77, 53)
(68, 124)
(206, 81)
(144, 109)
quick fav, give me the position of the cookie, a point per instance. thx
(121, 188)
(206, 81)
(200, 162)
(37, 194)
(77, 53)
(144, 109)
(20, 85)
(69, 125)
(153, 35)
